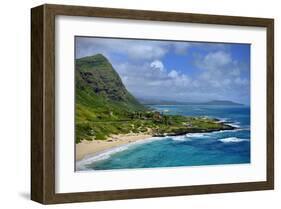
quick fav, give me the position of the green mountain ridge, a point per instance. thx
(174, 102)
(100, 96)
(222, 102)
(96, 72)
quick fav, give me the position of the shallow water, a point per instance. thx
(216, 148)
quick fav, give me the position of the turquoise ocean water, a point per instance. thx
(216, 148)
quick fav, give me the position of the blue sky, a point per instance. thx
(176, 70)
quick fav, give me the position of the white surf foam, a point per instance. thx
(180, 138)
(232, 140)
(189, 136)
(235, 124)
(223, 120)
(225, 131)
(229, 122)
(196, 135)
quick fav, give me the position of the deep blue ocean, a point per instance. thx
(216, 148)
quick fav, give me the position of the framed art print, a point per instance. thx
(134, 104)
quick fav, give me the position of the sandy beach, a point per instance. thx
(85, 147)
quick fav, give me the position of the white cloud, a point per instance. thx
(235, 72)
(136, 50)
(173, 74)
(223, 76)
(226, 81)
(215, 59)
(153, 79)
(240, 81)
(182, 80)
(145, 51)
(157, 65)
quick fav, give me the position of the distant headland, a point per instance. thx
(171, 102)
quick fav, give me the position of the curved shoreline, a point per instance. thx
(90, 148)
(86, 148)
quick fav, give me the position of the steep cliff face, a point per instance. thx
(100, 96)
(96, 74)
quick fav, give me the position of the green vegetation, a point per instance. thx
(105, 107)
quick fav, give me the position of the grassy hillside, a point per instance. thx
(97, 75)
(100, 96)
(105, 107)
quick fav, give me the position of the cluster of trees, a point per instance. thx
(155, 116)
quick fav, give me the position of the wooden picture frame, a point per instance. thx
(43, 103)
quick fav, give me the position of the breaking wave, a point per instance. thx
(232, 140)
